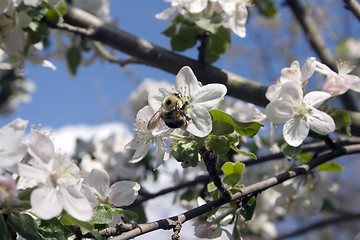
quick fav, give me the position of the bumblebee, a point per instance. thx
(171, 113)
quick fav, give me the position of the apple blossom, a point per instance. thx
(183, 6)
(235, 15)
(143, 138)
(300, 113)
(200, 100)
(12, 147)
(121, 193)
(57, 180)
(292, 74)
(338, 83)
(7, 187)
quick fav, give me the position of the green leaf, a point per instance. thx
(185, 38)
(231, 168)
(247, 154)
(24, 225)
(73, 57)
(219, 144)
(289, 151)
(210, 24)
(130, 215)
(266, 7)
(342, 120)
(53, 229)
(36, 13)
(221, 128)
(233, 172)
(54, 16)
(331, 167)
(140, 213)
(248, 129)
(249, 209)
(211, 187)
(304, 157)
(69, 220)
(217, 44)
(101, 215)
(3, 231)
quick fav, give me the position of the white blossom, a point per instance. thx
(12, 147)
(200, 100)
(143, 138)
(58, 181)
(121, 193)
(300, 113)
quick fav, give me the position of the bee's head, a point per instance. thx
(171, 101)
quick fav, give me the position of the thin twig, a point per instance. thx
(316, 41)
(354, 7)
(320, 224)
(252, 189)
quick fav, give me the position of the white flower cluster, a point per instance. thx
(196, 100)
(56, 181)
(234, 12)
(300, 112)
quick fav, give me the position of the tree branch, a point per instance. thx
(251, 189)
(354, 7)
(316, 41)
(86, 24)
(321, 224)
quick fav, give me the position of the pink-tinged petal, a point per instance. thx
(308, 69)
(290, 91)
(279, 111)
(295, 131)
(75, 203)
(156, 98)
(123, 193)
(200, 124)
(100, 181)
(209, 95)
(335, 85)
(186, 81)
(41, 148)
(89, 193)
(316, 98)
(140, 153)
(45, 202)
(320, 122)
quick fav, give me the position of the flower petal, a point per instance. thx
(308, 69)
(41, 148)
(123, 193)
(295, 131)
(279, 111)
(320, 122)
(156, 98)
(316, 98)
(100, 181)
(291, 91)
(75, 203)
(209, 95)
(200, 124)
(140, 153)
(186, 81)
(273, 92)
(45, 202)
(161, 154)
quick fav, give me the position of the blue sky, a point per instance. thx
(98, 91)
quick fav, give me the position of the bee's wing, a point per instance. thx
(155, 120)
